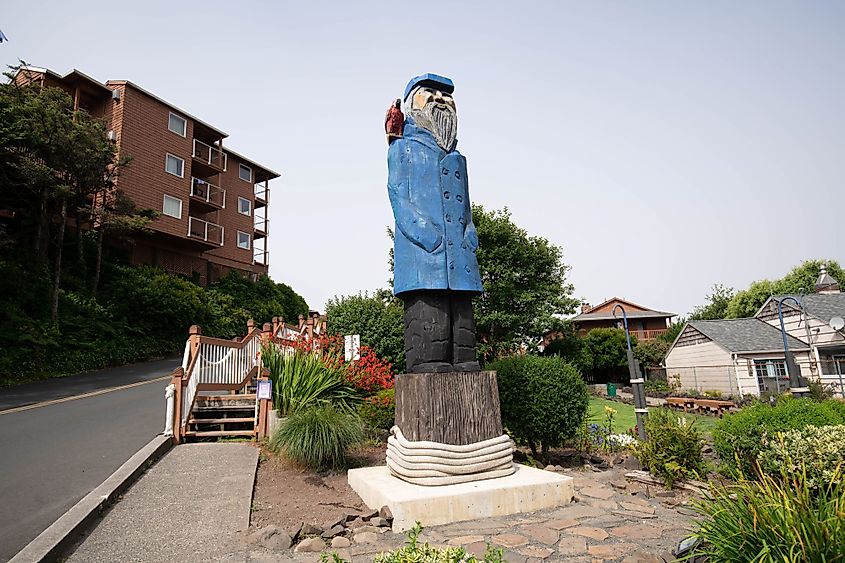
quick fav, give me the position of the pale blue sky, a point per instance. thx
(666, 146)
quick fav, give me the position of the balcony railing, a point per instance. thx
(208, 192)
(647, 334)
(261, 193)
(261, 256)
(212, 233)
(210, 155)
(261, 223)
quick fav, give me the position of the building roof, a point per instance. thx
(632, 315)
(271, 173)
(745, 335)
(823, 306)
(633, 311)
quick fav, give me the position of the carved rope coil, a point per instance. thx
(432, 463)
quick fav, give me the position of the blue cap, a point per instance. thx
(429, 79)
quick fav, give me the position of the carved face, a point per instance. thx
(424, 95)
(434, 110)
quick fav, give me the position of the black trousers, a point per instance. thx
(439, 331)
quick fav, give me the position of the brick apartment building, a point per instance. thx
(212, 200)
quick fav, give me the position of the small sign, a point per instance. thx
(352, 347)
(264, 388)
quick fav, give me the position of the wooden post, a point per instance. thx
(176, 379)
(267, 333)
(455, 408)
(264, 406)
(275, 326)
(250, 326)
(194, 336)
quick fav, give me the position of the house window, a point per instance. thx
(244, 206)
(243, 240)
(174, 165)
(172, 206)
(177, 124)
(771, 375)
(245, 173)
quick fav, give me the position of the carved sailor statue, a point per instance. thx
(448, 422)
(436, 271)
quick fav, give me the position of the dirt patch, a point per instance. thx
(287, 496)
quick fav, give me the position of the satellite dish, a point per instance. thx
(837, 323)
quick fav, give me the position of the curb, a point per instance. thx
(52, 542)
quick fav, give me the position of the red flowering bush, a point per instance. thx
(371, 373)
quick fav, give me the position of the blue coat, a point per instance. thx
(435, 241)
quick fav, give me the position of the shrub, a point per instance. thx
(777, 518)
(738, 437)
(303, 379)
(544, 400)
(819, 451)
(371, 373)
(657, 386)
(379, 411)
(712, 394)
(673, 448)
(318, 437)
(415, 552)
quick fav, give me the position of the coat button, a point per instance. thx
(448, 218)
(467, 268)
(464, 245)
(462, 221)
(451, 265)
(445, 171)
(449, 242)
(460, 198)
(458, 174)
(446, 195)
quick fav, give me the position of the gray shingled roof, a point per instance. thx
(746, 335)
(823, 306)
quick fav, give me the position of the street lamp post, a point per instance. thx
(797, 384)
(637, 379)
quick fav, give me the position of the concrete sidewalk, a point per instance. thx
(185, 508)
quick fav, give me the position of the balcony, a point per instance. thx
(261, 256)
(261, 194)
(208, 193)
(210, 156)
(261, 223)
(643, 335)
(203, 231)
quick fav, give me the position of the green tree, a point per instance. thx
(803, 277)
(262, 299)
(717, 304)
(604, 352)
(650, 353)
(673, 331)
(378, 318)
(525, 285)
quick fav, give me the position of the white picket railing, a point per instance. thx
(218, 364)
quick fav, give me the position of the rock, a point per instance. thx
(619, 459)
(371, 514)
(385, 513)
(541, 533)
(340, 541)
(636, 507)
(588, 532)
(510, 540)
(357, 523)
(549, 468)
(600, 492)
(619, 484)
(562, 523)
(642, 557)
(366, 537)
(571, 545)
(611, 550)
(368, 528)
(379, 522)
(665, 494)
(559, 468)
(278, 542)
(636, 531)
(333, 531)
(310, 530)
(261, 535)
(534, 551)
(336, 522)
(466, 540)
(310, 545)
(295, 532)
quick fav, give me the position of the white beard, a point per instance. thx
(439, 120)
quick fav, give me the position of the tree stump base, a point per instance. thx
(448, 429)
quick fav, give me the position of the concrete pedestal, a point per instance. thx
(526, 490)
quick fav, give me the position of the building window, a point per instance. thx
(175, 165)
(244, 206)
(172, 206)
(177, 124)
(771, 376)
(245, 173)
(243, 240)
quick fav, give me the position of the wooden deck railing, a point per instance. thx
(650, 334)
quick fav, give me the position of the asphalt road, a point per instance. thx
(52, 455)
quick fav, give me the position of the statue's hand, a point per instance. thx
(428, 236)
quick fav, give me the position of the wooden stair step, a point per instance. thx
(220, 420)
(219, 433)
(223, 407)
(245, 396)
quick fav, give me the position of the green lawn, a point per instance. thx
(625, 417)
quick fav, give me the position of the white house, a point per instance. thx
(746, 356)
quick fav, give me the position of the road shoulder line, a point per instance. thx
(52, 542)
